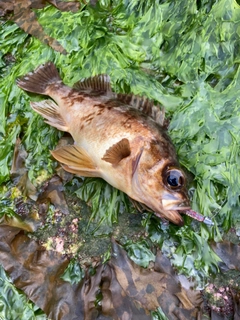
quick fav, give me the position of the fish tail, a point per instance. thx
(39, 80)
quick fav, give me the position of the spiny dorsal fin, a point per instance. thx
(99, 84)
(145, 105)
(50, 111)
(76, 160)
(117, 152)
(38, 80)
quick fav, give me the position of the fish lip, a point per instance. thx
(171, 201)
(169, 196)
(181, 207)
(171, 215)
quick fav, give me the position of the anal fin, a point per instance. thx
(76, 160)
(50, 111)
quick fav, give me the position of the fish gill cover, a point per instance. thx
(182, 54)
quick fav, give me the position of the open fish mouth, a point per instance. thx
(182, 206)
(172, 207)
(171, 215)
(176, 202)
(175, 217)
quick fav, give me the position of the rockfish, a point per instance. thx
(117, 137)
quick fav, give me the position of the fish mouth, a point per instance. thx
(172, 204)
(181, 207)
(171, 215)
(174, 215)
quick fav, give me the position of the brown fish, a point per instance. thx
(117, 137)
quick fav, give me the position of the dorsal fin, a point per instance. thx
(117, 152)
(145, 105)
(99, 84)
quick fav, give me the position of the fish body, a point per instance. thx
(114, 139)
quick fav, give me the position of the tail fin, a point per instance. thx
(38, 80)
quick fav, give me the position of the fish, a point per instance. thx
(117, 137)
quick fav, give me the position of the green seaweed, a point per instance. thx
(106, 203)
(73, 273)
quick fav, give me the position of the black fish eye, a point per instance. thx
(175, 179)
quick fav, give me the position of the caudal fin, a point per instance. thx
(38, 80)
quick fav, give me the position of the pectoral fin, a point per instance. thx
(76, 160)
(117, 152)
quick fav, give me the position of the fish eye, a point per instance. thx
(175, 179)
